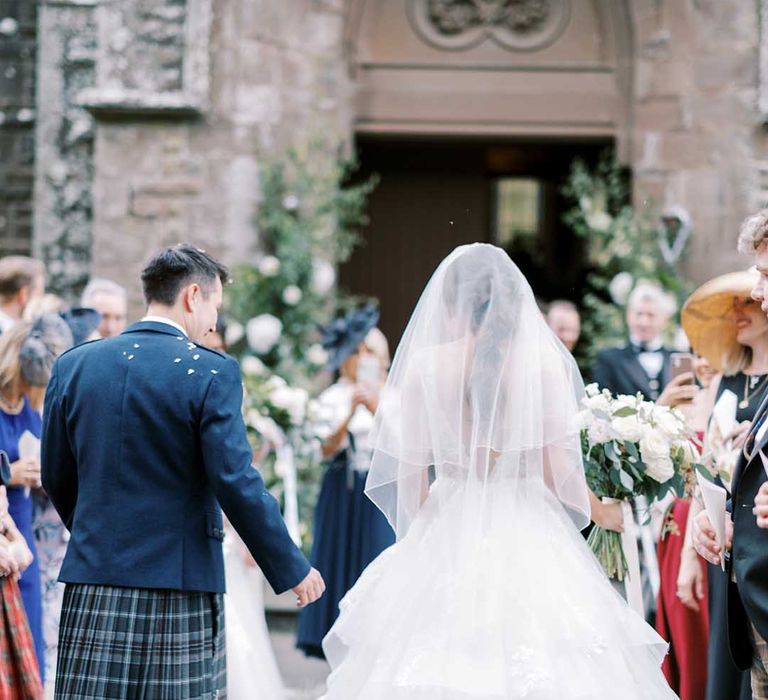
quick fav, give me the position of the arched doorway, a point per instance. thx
(472, 122)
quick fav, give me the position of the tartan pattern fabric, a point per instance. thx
(19, 670)
(131, 643)
(759, 670)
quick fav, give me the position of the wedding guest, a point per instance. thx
(745, 538)
(27, 353)
(349, 531)
(725, 325)
(47, 303)
(564, 320)
(642, 365)
(19, 671)
(111, 301)
(51, 537)
(22, 280)
(679, 617)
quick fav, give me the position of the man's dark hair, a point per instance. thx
(174, 268)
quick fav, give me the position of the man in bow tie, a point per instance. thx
(745, 548)
(642, 365)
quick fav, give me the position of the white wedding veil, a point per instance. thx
(480, 393)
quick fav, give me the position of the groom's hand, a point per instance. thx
(310, 589)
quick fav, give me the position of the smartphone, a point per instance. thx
(681, 362)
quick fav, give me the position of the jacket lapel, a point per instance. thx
(635, 370)
(742, 463)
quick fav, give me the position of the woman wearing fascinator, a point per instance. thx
(27, 353)
(490, 592)
(349, 531)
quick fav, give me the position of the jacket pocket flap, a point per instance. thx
(214, 527)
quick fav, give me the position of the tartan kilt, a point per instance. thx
(131, 643)
(19, 670)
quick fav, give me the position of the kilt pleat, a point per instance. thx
(140, 644)
(19, 670)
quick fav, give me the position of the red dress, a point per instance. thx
(685, 667)
(19, 672)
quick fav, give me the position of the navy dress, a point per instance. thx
(20, 509)
(350, 531)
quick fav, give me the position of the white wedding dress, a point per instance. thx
(490, 592)
(527, 614)
(251, 667)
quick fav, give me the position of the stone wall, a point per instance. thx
(18, 39)
(177, 161)
(698, 128)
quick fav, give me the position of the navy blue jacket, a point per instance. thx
(748, 597)
(143, 437)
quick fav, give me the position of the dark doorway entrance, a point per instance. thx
(433, 196)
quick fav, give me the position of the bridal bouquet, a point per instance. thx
(631, 448)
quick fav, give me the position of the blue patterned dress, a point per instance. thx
(20, 508)
(350, 531)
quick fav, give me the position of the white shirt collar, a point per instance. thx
(653, 346)
(166, 321)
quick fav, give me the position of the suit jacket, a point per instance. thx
(748, 597)
(143, 438)
(619, 371)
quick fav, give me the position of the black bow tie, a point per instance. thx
(637, 348)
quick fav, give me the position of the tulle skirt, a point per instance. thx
(251, 667)
(491, 598)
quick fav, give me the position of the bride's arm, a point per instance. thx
(609, 516)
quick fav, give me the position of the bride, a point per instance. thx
(490, 592)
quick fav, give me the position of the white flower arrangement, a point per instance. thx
(269, 266)
(292, 295)
(263, 332)
(631, 448)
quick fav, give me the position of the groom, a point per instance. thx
(142, 440)
(746, 535)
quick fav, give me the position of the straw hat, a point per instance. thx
(707, 319)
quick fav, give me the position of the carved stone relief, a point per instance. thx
(153, 57)
(517, 25)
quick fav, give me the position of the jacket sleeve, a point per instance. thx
(58, 465)
(238, 486)
(602, 372)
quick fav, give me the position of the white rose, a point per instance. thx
(252, 366)
(592, 389)
(584, 419)
(599, 432)
(668, 423)
(626, 401)
(269, 266)
(654, 451)
(620, 287)
(599, 221)
(323, 276)
(317, 355)
(294, 401)
(661, 469)
(598, 403)
(585, 203)
(275, 382)
(292, 295)
(628, 428)
(263, 332)
(234, 333)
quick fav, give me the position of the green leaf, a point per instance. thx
(624, 412)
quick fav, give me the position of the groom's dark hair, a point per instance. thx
(174, 268)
